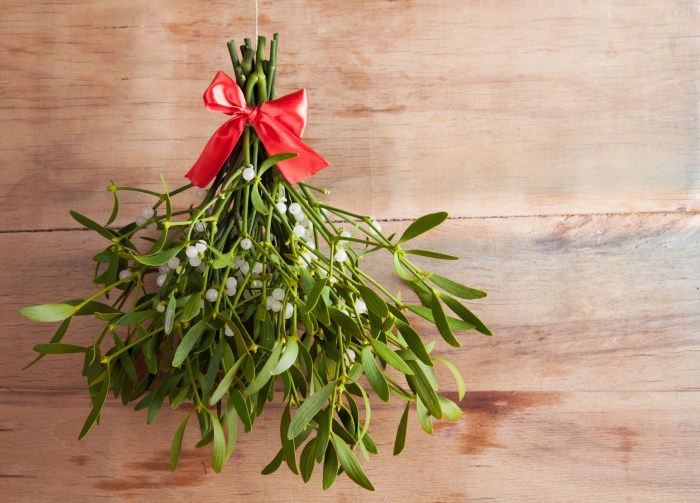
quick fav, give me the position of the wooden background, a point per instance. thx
(562, 137)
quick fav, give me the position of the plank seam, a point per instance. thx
(483, 217)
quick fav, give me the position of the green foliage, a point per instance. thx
(301, 326)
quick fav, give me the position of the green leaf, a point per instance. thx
(159, 258)
(288, 444)
(323, 433)
(48, 312)
(125, 360)
(461, 387)
(274, 464)
(450, 409)
(330, 467)
(176, 446)
(350, 463)
(218, 455)
(373, 301)
(400, 441)
(374, 374)
(231, 420)
(307, 461)
(134, 317)
(423, 224)
(59, 349)
(241, 407)
(271, 161)
(190, 339)
(421, 386)
(432, 254)
(441, 322)
(221, 259)
(170, 314)
(400, 271)
(465, 314)
(264, 374)
(225, 383)
(191, 309)
(345, 322)
(91, 307)
(461, 291)
(115, 209)
(315, 294)
(257, 201)
(309, 408)
(98, 403)
(388, 355)
(90, 224)
(291, 350)
(426, 313)
(414, 342)
(424, 417)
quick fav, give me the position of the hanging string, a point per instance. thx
(256, 20)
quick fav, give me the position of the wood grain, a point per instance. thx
(501, 108)
(563, 139)
(513, 446)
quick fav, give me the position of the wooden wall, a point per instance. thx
(562, 137)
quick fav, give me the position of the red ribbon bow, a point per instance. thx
(279, 124)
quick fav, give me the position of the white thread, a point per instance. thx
(256, 21)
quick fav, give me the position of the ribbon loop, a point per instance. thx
(279, 123)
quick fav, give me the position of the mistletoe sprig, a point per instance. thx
(257, 295)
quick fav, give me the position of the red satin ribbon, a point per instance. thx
(279, 124)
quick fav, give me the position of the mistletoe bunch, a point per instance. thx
(257, 295)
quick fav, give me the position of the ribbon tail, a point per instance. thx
(277, 140)
(216, 152)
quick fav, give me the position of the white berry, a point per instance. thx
(124, 274)
(300, 231)
(257, 268)
(281, 207)
(246, 244)
(152, 227)
(340, 256)
(200, 226)
(140, 221)
(173, 263)
(278, 294)
(161, 279)
(195, 261)
(361, 307)
(294, 208)
(245, 267)
(231, 283)
(163, 268)
(201, 246)
(201, 193)
(277, 306)
(288, 311)
(191, 252)
(212, 294)
(160, 308)
(228, 331)
(147, 212)
(249, 173)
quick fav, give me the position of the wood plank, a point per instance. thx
(582, 303)
(527, 107)
(524, 446)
